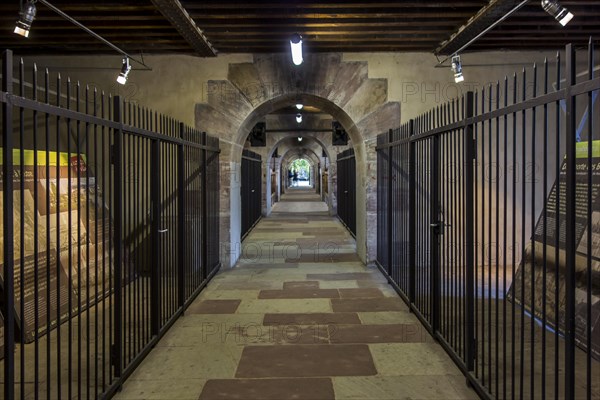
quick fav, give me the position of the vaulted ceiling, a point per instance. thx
(209, 27)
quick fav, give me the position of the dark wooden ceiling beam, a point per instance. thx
(193, 5)
(262, 16)
(174, 12)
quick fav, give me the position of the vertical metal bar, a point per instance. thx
(545, 233)
(22, 222)
(181, 238)
(205, 209)
(8, 228)
(436, 225)
(35, 232)
(571, 205)
(523, 237)
(390, 200)
(504, 235)
(557, 235)
(117, 345)
(155, 296)
(589, 219)
(412, 218)
(497, 239)
(532, 222)
(514, 236)
(469, 235)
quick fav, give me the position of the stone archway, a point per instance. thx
(342, 89)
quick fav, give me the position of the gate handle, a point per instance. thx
(163, 230)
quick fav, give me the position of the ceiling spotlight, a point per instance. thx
(125, 69)
(299, 138)
(298, 118)
(457, 69)
(296, 45)
(560, 13)
(299, 106)
(26, 17)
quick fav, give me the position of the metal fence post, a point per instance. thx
(117, 346)
(436, 227)
(390, 219)
(204, 208)
(155, 227)
(412, 217)
(181, 192)
(470, 156)
(8, 229)
(571, 212)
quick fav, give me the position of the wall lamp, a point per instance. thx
(299, 138)
(125, 69)
(26, 17)
(298, 118)
(299, 106)
(560, 13)
(457, 69)
(296, 46)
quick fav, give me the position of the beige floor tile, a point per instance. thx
(160, 389)
(220, 294)
(198, 320)
(388, 317)
(202, 362)
(429, 387)
(400, 359)
(338, 284)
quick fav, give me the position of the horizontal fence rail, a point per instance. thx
(110, 229)
(489, 228)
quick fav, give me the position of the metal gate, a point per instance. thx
(251, 190)
(111, 215)
(490, 232)
(346, 189)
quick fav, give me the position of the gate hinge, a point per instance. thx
(474, 149)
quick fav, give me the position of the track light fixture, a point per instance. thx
(560, 13)
(299, 106)
(26, 17)
(457, 69)
(298, 118)
(296, 46)
(125, 69)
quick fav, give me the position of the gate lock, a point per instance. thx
(438, 227)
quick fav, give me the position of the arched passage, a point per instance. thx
(355, 136)
(341, 89)
(317, 143)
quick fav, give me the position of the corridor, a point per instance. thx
(299, 317)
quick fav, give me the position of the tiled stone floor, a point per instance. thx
(298, 318)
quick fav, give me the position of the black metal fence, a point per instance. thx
(346, 189)
(109, 213)
(489, 228)
(251, 190)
